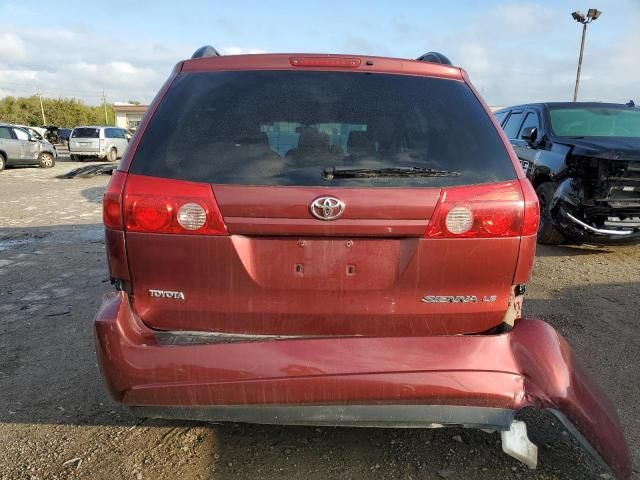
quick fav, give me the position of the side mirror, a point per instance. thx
(31, 139)
(529, 134)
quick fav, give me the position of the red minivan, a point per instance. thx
(332, 240)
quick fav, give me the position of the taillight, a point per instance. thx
(483, 211)
(531, 208)
(159, 205)
(112, 201)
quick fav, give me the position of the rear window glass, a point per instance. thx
(287, 127)
(86, 133)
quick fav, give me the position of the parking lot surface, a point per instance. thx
(57, 420)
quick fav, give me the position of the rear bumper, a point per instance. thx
(88, 153)
(467, 380)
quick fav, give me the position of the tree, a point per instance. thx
(62, 112)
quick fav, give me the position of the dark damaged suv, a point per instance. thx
(583, 159)
(333, 240)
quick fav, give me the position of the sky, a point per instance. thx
(514, 51)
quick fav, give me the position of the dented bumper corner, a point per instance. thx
(391, 381)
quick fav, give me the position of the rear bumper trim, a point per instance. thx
(165, 337)
(396, 416)
(529, 366)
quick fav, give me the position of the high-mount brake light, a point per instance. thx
(158, 205)
(112, 201)
(328, 61)
(505, 209)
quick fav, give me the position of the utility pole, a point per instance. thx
(104, 103)
(44, 119)
(575, 90)
(591, 15)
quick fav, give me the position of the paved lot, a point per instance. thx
(56, 420)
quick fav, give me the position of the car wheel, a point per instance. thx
(112, 155)
(548, 234)
(2, 162)
(46, 160)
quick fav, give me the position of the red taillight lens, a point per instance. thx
(328, 61)
(161, 205)
(479, 211)
(531, 208)
(151, 213)
(112, 201)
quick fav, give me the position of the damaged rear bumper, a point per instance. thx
(394, 381)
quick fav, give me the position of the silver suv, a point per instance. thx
(108, 143)
(19, 147)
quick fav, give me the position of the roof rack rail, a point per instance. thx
(434, 57)
(205, 51)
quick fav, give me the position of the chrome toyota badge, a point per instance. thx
(327, 208)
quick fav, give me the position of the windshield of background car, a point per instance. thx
(285, 128)
(596, 122)
(86, 133)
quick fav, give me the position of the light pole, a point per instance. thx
(591, 15)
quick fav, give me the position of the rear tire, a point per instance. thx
(112, 155)
(46, 160)
(2, 162)
(548, 234)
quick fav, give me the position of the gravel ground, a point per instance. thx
(57, 421)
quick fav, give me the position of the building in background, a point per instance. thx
(129, 115)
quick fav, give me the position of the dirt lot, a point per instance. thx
(57, 421)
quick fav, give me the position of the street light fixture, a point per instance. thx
(592, 14)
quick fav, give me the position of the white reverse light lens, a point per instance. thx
(191, 216)
(459, 220)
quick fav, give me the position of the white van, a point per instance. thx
(105, 143)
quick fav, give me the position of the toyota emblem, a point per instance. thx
(327, 208)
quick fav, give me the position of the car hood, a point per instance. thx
(609, 148)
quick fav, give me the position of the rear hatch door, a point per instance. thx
(85, 139)
(327, 183)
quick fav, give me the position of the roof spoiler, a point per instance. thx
(431, 57)
(205, 51)
(434, 57)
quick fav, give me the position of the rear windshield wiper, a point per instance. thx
(345, 172)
